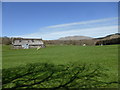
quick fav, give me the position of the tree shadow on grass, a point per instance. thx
(44, 75)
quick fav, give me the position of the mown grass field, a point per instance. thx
(106, 56)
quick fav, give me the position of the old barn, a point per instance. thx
(26, 43)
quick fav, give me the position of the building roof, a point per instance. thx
(30, 41)
(27, 39)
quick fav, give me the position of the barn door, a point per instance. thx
(25, 46)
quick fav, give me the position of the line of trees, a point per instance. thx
(5, 40)
(69, 42)
(8, 41)
(108, 41)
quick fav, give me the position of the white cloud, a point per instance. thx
(94, 32)
(83, 22)
(92, 28)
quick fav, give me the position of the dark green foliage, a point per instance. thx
(108, 42)
(43, 75)
(90, 42)
(5, 40)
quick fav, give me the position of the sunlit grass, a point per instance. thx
(106, 56)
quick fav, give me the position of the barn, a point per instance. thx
(26, 43)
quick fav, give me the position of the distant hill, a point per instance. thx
(75, 38)
(80, 40)
(111, 36)
(109, 39)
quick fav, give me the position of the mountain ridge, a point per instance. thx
(75, 38)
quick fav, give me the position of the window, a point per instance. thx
(32, 40)
(19, 40)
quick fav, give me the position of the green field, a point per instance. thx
(106, 56)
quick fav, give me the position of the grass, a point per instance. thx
(44, 75)
(106, 56)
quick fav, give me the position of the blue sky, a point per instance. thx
(50, 20)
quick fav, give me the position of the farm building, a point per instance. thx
(26, 43)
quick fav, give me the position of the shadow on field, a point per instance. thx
(43, 75)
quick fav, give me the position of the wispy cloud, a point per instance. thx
(83, 22)
(94, 32)
(92, 28)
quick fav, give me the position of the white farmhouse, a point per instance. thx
(26, 43)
